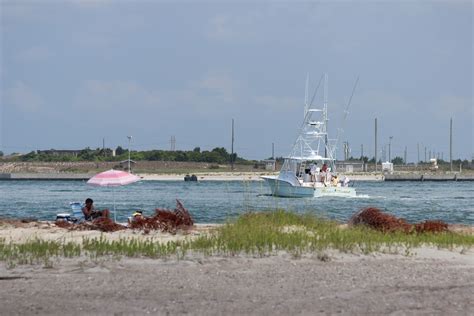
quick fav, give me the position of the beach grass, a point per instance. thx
(256, 234)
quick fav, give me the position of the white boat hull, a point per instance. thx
(284, 188)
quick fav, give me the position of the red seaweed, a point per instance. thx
(376, 219)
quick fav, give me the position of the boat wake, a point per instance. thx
(361, 196)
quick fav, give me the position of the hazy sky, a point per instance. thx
(76, 72)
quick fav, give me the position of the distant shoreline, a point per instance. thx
(204, 176)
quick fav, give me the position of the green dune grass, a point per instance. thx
(257, 234)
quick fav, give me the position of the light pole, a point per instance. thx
(129, 140)
(390, 149)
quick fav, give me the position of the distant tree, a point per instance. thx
(221, 151)
(398, 161)
(86, 154)
(1, 153)
(119, 150)
(233, 157)
(197, 149)
(32, 155)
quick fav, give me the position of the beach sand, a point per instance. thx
(18, 232)
(432, 282)
(427, 281)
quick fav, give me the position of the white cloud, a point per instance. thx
(35, 54)
(450, 105)
(383, 103)
(235, 26)
(91, 4)
(24, 98)
(116, 95)
(218, 84)
(279, 104)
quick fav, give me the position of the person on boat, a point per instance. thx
(345, 182)
(324, 168)
(313, 171)
(324, 174)
(307, 174)
(91, 213)
(334, 181)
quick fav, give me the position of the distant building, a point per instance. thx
(387, 167)
(351, 166)
(270, 164)
(124, 163)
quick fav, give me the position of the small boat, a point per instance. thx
(310, 169)
(192, 178)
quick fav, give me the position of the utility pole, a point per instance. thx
(418, 153)
(405, 157)
(273, 156)
(375, 145)
(232, 148)
(425, 154)
(390, 149)
(103, 146)
(361, 151)
(173, 143)
(129, 140)
(451, 143)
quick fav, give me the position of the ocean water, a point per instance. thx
(217, 201)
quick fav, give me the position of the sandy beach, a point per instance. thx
(426, 281)
(432, 282)
(48, 231)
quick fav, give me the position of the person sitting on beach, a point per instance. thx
(91, 213)
(137, 215)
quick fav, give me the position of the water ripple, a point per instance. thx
(216, 201)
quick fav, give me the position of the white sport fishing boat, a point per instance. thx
(310, 169)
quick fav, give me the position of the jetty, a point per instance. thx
(45, 176)
(428, 177)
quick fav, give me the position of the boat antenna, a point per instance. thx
(346, 110)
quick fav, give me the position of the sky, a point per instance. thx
(75, 74)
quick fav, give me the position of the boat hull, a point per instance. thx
(284, 188)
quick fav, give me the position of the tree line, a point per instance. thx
(217, 155)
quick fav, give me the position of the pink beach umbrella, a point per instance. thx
(113, 178)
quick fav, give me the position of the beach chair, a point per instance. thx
(77, 215)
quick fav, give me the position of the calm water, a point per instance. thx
(214, 201)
